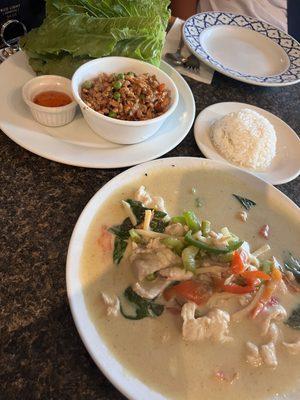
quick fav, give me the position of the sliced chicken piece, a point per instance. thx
(158, 203)
(274, 313)
(268, 354)
(253, 356)
(214, 326)
(242, 215)
(150, 289)
(213, 269)
(175, 230)
(143, 196)
(176, 274)
(152, 202)
(220, 325)
(147, 262)
(292, 348)
(112, 304)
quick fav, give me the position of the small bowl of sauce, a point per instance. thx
(50, 100)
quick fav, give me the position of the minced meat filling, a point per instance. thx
(126, 96)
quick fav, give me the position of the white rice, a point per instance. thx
(245, 138)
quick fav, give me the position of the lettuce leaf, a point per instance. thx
(75, 31)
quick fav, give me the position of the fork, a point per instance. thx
(176, 58)
(192, 62)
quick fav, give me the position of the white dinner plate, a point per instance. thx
(104, 358)
(286, 164)
(75, 143)
(244, 48)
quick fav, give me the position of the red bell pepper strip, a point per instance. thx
(190, 290)
(237, 289)
(237, 264)
(251, 276)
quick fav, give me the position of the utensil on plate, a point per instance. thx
(176, 58)
(192, 62)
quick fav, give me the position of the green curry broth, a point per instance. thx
(178, 369)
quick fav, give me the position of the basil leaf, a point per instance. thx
(143, 307)
(246, 203)
(122, 231)
(159, 214)
(138, 209)
(158, 225)
(157, 309)
(294, 319)
(119, 249)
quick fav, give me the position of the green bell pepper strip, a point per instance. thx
(192, 221)
(188, 258)
(204, 246)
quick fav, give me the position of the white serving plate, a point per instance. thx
(76, 144)
(244, 48)
(286, 163)
(125, 382)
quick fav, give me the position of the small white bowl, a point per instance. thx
(49, 116)
(116, 130)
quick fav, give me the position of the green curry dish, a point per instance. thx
(294, 319)
(143, 307)
(246, 203)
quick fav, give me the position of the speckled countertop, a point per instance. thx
(42, 356)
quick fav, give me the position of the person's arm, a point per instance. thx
(183, 8)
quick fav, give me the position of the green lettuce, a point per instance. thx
(75, 31)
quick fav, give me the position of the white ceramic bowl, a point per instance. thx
(114, 130)
(49, 116)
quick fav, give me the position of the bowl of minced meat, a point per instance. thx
(122, 99)
(245, 138)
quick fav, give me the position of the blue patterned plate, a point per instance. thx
(244, 48)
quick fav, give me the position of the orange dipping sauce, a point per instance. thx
(52, 98)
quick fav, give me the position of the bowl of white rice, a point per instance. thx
(245, 138)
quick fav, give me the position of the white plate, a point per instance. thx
(285, 165)
(103, 357)
(76, 144)
(244, 48)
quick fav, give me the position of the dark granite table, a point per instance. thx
(42, 356)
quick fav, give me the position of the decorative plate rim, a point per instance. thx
(201, 21)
